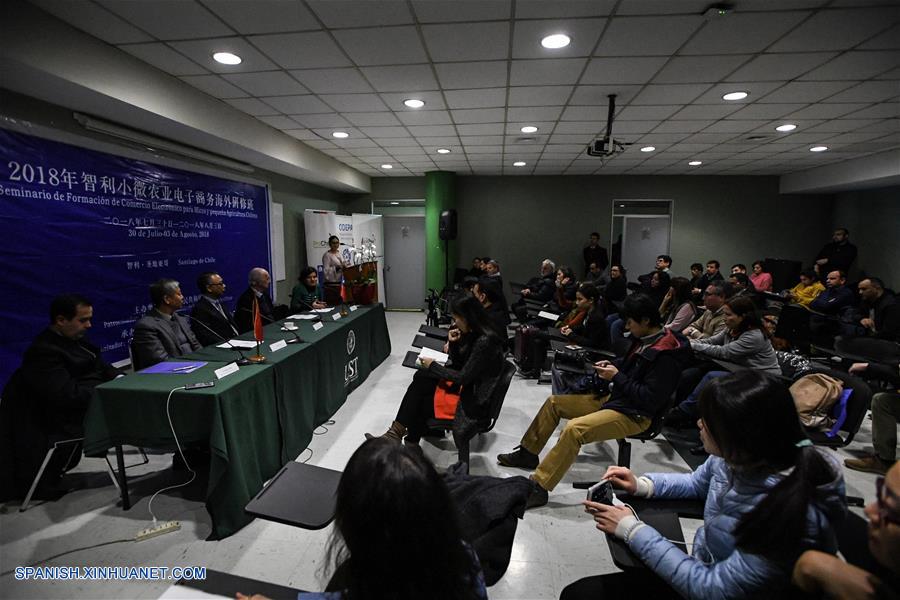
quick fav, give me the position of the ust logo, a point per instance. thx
(351, 371)
(351, 342)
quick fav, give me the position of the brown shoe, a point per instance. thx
(868, 464)
(394, 433)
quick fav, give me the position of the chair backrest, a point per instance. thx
(499, 393)
(857, 404)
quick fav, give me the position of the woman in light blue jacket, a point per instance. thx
(769, 496)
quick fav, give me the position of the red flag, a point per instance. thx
(345, 293)
(257, 321)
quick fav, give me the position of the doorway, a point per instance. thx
(404, 262)
(641, 231)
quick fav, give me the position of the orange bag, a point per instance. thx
(445, 400)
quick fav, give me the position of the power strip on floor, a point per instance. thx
(162, 528)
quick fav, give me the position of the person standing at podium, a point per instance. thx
(333, 266)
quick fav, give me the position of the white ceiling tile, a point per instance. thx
(669, 93)
(806, 91)
(495, 150)
(406, 78)
(699, 69)
(643, 113)
(321, 144)
(479, 115)
(317, 121)
(554, 71)
(309, 50)
(610, 71)
(547, 95)
(425, 117)
(405, 151)
(360, 13)
(384, 46)
(481, 129)
(201, 51)
(766, 111)
(647, 36)
(534, 113)
(433, 101)
(95, 20)
(632, 128)
(771, 67)
(402, 142)
(868, 91)
(332, 81)
(570, 138)
(847, 125)
(673, 126)
(700, 112)
(742, 32)
(837, 29)
(582, 32)
(584, 127)
(755, 89)
(170, 19)
(446, 11)
(385, 132)
(279, 122)
(263, 16)
(734, 126)
(593, 95)
(482, 140)
(352, 142)
(856, 66)
(887, 110)
(266, 83)
(472, 41)
(584, 113)
(888, 40)
(303, 134)
(252, 106)
(661, 7)
(214, 86)
(297, 105)
(479, 98)
(372, 119)
(450, 141)
(893, 74)
(472, 74)
(421, 131)
(354, 102)
(164, 58)
(562, 9)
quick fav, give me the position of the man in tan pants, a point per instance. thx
(639, 388)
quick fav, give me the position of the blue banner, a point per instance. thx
(74, 220)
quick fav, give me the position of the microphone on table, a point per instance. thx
(243, 361)
(297, 339)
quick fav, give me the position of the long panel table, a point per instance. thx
(254, 420)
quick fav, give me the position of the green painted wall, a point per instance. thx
(440, 194)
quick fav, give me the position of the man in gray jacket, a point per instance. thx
(162, 333)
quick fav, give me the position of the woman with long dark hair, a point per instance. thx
(396, 533)
(476, 361)
(678, 309)
(333, 270)
(305, 295)
(769, 495)
(589, 330)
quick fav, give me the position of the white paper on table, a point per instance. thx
(438, 357)
(548, 315)
(322, 310)
(303, 317)
(238, 344)
(183, 592)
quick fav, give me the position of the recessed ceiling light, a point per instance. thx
(818, 149)
(557, 40)
(395, 203)
(519, 163)
(529, 129)
(340, 134)
(734, 96)
(387, 166)
(443, 151)
(786, 127)
(695, 163)
(414, 103)
(227, 58)
(648, 148)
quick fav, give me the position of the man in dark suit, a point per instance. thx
(162, 333)
(259, 281)
(213, 321)
(47, 397)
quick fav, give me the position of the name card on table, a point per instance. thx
(227, 370)
(354, 307)
(318, 326)
(276, 346)
(336, 316)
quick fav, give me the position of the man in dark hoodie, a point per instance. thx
(629, 393)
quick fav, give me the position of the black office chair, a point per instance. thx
(486, 424)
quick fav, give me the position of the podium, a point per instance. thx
(357, 291)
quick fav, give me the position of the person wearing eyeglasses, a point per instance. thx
(825, 575)
(214, 322)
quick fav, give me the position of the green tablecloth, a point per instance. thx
(256, 419)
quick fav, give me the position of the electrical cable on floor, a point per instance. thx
(178, 445)
(49, 558)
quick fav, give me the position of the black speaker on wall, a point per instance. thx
(447, 227)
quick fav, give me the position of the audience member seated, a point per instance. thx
(807, 290)
(476, 362)
(836, 255)
(885, 416)
(836, 297)
(396, 532)
(663, 265)
(712, 274)
(565, 288)
(477, 269)
(488, 292)
(258, 280)
(823, 575)
(659, 284)
(539, 288)
(696, 274)
(879, 312)
(762, 281)
(641, 384)
(162, 333)
(677, 308)
(739, 268)
(212, 321)
(744, 342)
(742, 286)
(769, 496)
(595, 275)
(616, 290)
(46, 399)
(305, 295)
(591, 332)
(596, 254)
(712, 321)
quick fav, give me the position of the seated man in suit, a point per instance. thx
(213, 321)
(162, 332)
(47, 398)
(259, 281)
